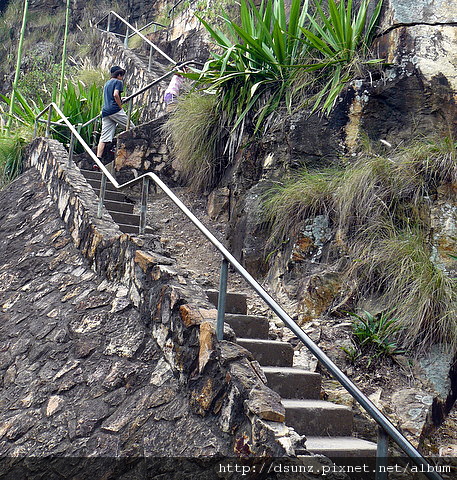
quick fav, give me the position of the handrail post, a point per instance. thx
(48, 124)
(126, 40)
(71, 149)
(382, 452)
(101, 197)
(144, 204)
(35, 127)
(222, 299)
(94, 133)
(108, 25)
(150, 58)
(129, 114)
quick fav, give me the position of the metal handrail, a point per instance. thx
(172, 9)
(386, 427)
(131, 28)
(148, 25)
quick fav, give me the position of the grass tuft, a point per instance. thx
(304, 195)
(379, 208)
(194, 129)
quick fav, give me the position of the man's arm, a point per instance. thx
(117, 98)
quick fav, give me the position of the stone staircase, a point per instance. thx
(117, 203)
(326, 425)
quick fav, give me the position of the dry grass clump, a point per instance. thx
(305, 194)
(194, 129)
(379, 206)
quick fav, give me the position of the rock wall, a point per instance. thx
(144, 149)
(80, 373)
(128, 341)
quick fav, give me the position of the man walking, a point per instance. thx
(112, 113)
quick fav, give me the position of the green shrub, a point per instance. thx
(11, 148)
(375, 336)
(251, 76)
(80, 104)
(339, 38)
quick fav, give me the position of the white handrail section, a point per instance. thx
(131, 28)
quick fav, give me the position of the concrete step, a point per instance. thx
(338, 447)
(123, 207)
(116, 196)
(293, 383)
(248, 326)
(235, 302)
(91, 174)
(95, 183)
(133, 229)
(269, 352)
(317, 417)
(126, 218)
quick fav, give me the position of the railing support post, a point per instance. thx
(48, 124)
(129, 114)
(126, 40)
(101, 197)
(108, 25)
(222, 299)
(382, 453)
(150, 59)
(144, 204)
(71, 149)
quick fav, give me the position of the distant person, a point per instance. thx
(112, 112)
(172, 91)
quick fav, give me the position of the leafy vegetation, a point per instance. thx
(80, 104)
(375, 336)
(377, 208)
(11, 148)
(252, 74)
(267, 61)
(340, 41)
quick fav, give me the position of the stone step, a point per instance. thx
(116, 196)
(293, 383)
(133, 229)
(317, 417)
(126, 218)
(269, 352)
(248, 326)
(235, 302)
(113, 206)
(92, 174)
(338, 447)
(95, 183)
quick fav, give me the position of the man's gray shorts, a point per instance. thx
(110, 123)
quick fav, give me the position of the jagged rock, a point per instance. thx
(218, 204)
(411, 406)
(317, 294)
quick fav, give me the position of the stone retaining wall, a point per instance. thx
(222, 379)
(145, 149)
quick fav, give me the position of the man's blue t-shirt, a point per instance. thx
(109, 104)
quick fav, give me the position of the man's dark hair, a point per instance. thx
(116, 70)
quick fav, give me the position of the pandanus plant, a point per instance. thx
(259, 58)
